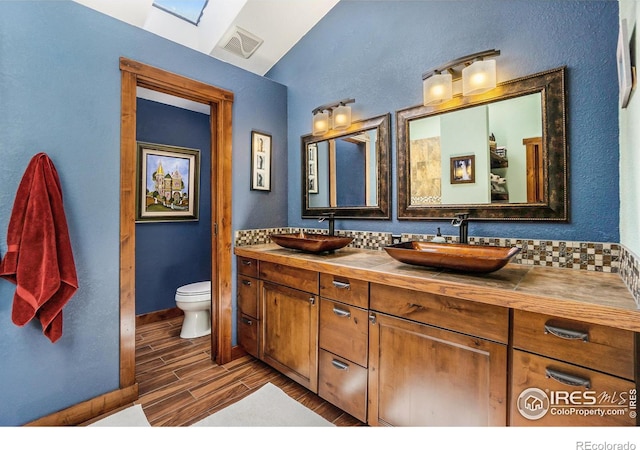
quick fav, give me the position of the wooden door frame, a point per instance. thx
(136, 74)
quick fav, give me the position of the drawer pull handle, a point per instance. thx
(372, 318)
(566, 334)
(339, 364)
(246, 321)
(569, 380)
(341, 312)
(246, 262)
(312, 300)
(246, 282)
(341, 285)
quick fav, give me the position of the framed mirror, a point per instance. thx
(501, 155)
(347, 173)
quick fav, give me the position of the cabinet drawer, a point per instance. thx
(345, 290)
(248, 334)
(597, 347)
(476, 319)
(344, 330)
(247, 266)
(546, 392)
(248, 296)
(343, 384)
(301, 279)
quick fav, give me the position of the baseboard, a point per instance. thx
(237, 352)
(157, 316)
(82, 412)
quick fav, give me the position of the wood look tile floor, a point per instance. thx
(179, 384)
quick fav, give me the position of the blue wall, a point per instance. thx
(60, 94)
(376, 52)
(171, 254)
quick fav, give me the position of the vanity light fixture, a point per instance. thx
(437, 88)
(320, 122)
(339, 112)
(342, 117)
(478, 75)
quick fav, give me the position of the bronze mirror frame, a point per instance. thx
(554, 207)
(383, 159)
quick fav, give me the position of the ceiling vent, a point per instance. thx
(240, 42)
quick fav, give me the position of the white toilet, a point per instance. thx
(195, 300)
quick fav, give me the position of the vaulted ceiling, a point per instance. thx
(233, 24)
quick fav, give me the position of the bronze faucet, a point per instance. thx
(461, 220)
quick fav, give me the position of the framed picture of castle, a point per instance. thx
(168, 183)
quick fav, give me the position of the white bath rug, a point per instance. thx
(132, 416)
(269, 406)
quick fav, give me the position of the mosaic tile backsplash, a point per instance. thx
(576, 255)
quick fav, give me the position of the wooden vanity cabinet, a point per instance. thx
(289, 329)
(402, 356)
(420, 374)
(343, 340)
(571, 373)
(248, 319)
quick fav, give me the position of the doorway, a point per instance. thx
(134, 75)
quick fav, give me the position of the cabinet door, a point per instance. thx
(425, 376)
(290, 333)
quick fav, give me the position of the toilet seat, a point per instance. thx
(194, 292)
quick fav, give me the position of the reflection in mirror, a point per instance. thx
(496, 134)
(501, 155)
(348, 168)
(348, 173)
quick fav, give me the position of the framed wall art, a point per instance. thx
(260, 161)
(463, 169)
(168, 183)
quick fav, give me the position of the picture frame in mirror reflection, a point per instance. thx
(625, 70)
(312, 169)
(260, 161)
(463, 169)
(168, 183)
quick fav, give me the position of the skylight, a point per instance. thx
(189, 10)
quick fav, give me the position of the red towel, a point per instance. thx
(39, 259)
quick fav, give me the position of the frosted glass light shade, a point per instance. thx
(437, 88)
(342, 117)
(320, 123)
(479, 77)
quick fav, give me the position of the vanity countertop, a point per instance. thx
(595, 297)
